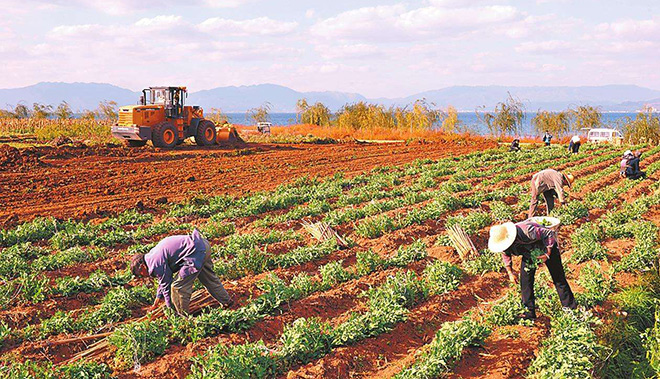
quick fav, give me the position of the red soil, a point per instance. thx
(82, 183)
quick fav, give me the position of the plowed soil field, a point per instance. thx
(372, 305)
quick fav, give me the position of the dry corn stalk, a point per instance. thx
(461, 242)
(323, 232)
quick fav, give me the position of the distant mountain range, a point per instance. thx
(82, 96)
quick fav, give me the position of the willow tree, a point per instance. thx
(419, 115)
(555, 123)
(63, 111)
(317, 114)
(260, 113)
(451, 123)
(507, 118)
(645, 127)
(586, 117)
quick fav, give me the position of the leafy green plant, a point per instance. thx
(138, 342)
(445, 349)
(305, 339)
(500, 211)
(442, 277)
(586, 241)
(597, 285)
(506, 311)
(250, 360)
(483, 263)
(571, 350)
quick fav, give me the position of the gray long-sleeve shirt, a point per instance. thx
(183, 254)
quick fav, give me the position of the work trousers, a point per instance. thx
(575, 148)
(527, 273)
(549, 197)
(182, 288)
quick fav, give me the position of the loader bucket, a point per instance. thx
(227, 134)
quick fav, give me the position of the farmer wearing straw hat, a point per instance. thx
(551, 184)
(187, 256)
(522, 239)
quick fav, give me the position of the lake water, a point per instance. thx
(467, 118)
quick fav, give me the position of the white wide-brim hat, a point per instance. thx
(501, 237)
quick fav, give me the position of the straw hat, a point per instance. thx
(501, 237)
(627, 152)
(569, 179)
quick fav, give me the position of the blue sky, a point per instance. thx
(376, 48)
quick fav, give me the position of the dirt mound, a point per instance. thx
(13, 158)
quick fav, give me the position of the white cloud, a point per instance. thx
(257, 26)
(310, 13)
(398, 23)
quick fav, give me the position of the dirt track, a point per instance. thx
(88, 182)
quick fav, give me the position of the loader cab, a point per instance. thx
(172, 99)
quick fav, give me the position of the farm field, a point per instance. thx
(395, 301)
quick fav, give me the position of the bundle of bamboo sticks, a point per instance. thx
(323, 232)
(461, 242)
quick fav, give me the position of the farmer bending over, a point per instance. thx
(521, 239)
(630, 165)
(550, 183)
(187, 256)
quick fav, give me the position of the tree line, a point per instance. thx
(107, 110)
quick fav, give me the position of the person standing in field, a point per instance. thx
(550, 183)
(524, 239)
(515, 145)
(574, 146)
(188, 257)
(547, 137)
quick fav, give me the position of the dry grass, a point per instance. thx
(95, 131)
(386, 134)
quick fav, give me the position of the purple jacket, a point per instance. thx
(183, 254)
(530, 236)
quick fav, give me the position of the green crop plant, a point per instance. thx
(375, 226)
(333, 273)
(16, 259)
(368, 262)
(128, 217)
(95, 282)
(471, 223)
(249, 360)
(5, 332)
(500, 211)
(247, 241)
(47, 370)
(483, 263)
(445, 349)
(408, 254)
(66, 257)
(586, 241)
(137, 343)
(506, 311)
(304, 340)
(215, 229)
(570, 212)
(598, 285)
(35, 230)
(73, 234)
(442, 277)
(571, 350)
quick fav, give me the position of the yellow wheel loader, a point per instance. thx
(163, 118)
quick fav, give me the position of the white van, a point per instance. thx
(604, 135)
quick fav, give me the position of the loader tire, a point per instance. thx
(164, 135)
(205, 135)
(135, 143)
